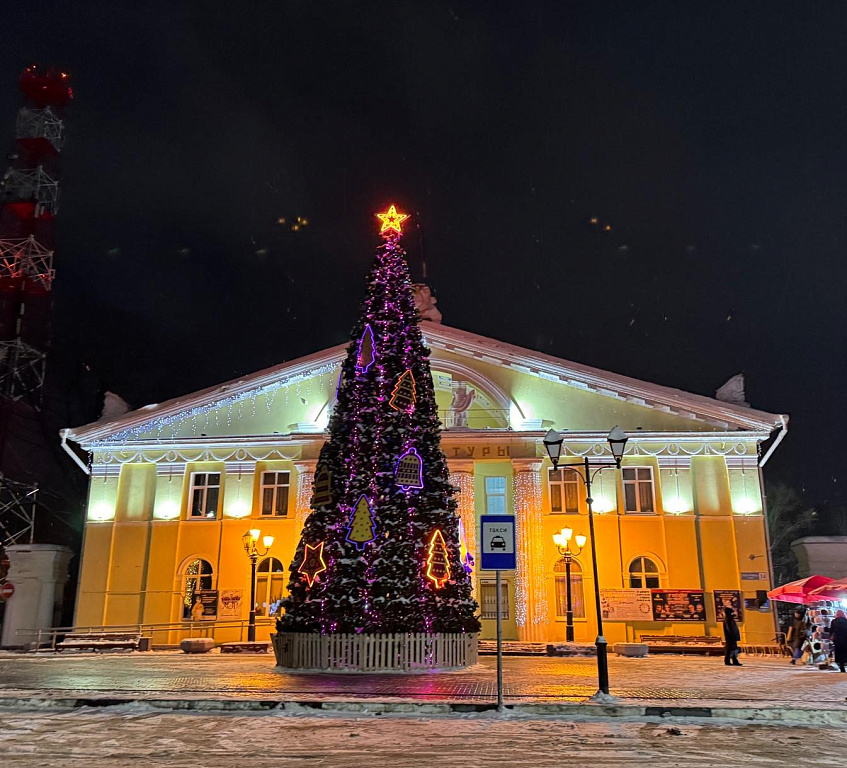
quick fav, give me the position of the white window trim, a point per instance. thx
(568, 476)
(498, 495)
(194, 486)
(637, 494)
(504, 599)
(643, 574)
(276, 486)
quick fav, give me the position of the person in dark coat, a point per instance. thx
(731, 635)
(797, 634)
(838, 638)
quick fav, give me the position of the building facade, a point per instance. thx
(680, 529)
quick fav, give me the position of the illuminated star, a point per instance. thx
(392, 220)
(313, 562)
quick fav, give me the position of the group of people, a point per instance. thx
(821, 640)
(818, 638)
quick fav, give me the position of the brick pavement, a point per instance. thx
(661, 679)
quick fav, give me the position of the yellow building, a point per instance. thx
(174, 487)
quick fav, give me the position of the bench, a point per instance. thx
(99, 641)
(248, 647)
(704, 645)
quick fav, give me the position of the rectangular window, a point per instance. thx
(638, 490)
(495, 495)
(205, 492)
(275, 494)
(488, 600)
(564, 491)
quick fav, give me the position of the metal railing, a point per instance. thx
(46, 639)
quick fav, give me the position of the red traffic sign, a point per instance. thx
(6, 591)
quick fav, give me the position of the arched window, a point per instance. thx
(577, 597)
(198, 577)
(270, 582)
(643, 574)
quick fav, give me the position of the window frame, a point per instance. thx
(488, 584)
(275, 486)
(265, 580)
(643, 574)
(198, 577)
(194, 486)
(496, 495)
(636, 483)
(566, 476)
(560, 582)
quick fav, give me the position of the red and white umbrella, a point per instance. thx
(800, 591)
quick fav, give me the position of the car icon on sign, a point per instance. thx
(498, 542)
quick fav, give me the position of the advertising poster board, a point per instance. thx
(231, 600)
(679, 605)
(626, 604)
(209, 601)
(728, 598)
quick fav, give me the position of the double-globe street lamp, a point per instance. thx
(250, 538)
(590, 469)
(562, 540)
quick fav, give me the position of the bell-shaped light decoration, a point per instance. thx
(617, 443)
(553, 443)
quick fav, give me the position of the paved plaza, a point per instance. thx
(660, 679)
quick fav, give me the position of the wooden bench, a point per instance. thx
(246, 647)
(704, 645)
(99, 641)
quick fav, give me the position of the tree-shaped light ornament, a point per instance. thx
(365, 358)
(410, 470)
(388, 585)
(361, 528)
(437, 562)
(404, 395)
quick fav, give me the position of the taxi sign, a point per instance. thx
(497, 541)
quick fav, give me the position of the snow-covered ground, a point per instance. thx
(134, 735)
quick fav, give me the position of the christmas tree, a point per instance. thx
(394, 564)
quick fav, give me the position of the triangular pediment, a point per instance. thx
(480, 384)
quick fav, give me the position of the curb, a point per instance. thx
(794, 716)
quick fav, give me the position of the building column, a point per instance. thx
(531, 613)
(461, 477)
(39, 573)
(305, 478)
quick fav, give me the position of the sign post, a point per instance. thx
(498, 554)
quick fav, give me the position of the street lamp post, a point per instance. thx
(617, 443)
(249, 539)
(562, 540)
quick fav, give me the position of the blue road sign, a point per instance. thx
(498, 543)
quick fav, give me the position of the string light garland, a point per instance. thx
(464, 482)
(530, 584)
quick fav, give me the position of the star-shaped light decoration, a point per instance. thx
(391, 220)
(313, 562)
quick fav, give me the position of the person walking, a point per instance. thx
(731, 635)
(838, 638)
(797, 635)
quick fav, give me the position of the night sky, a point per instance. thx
(710, 137)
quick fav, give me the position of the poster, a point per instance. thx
(728, 598)
(231, 600)
(209, 601)
(626, 605)
(679, 605)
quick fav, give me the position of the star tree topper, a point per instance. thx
(392, 220)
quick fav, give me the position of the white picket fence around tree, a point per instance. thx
(375, 653)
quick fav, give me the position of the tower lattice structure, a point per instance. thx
(29, 202)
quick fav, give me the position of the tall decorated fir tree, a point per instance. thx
(380, 550)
